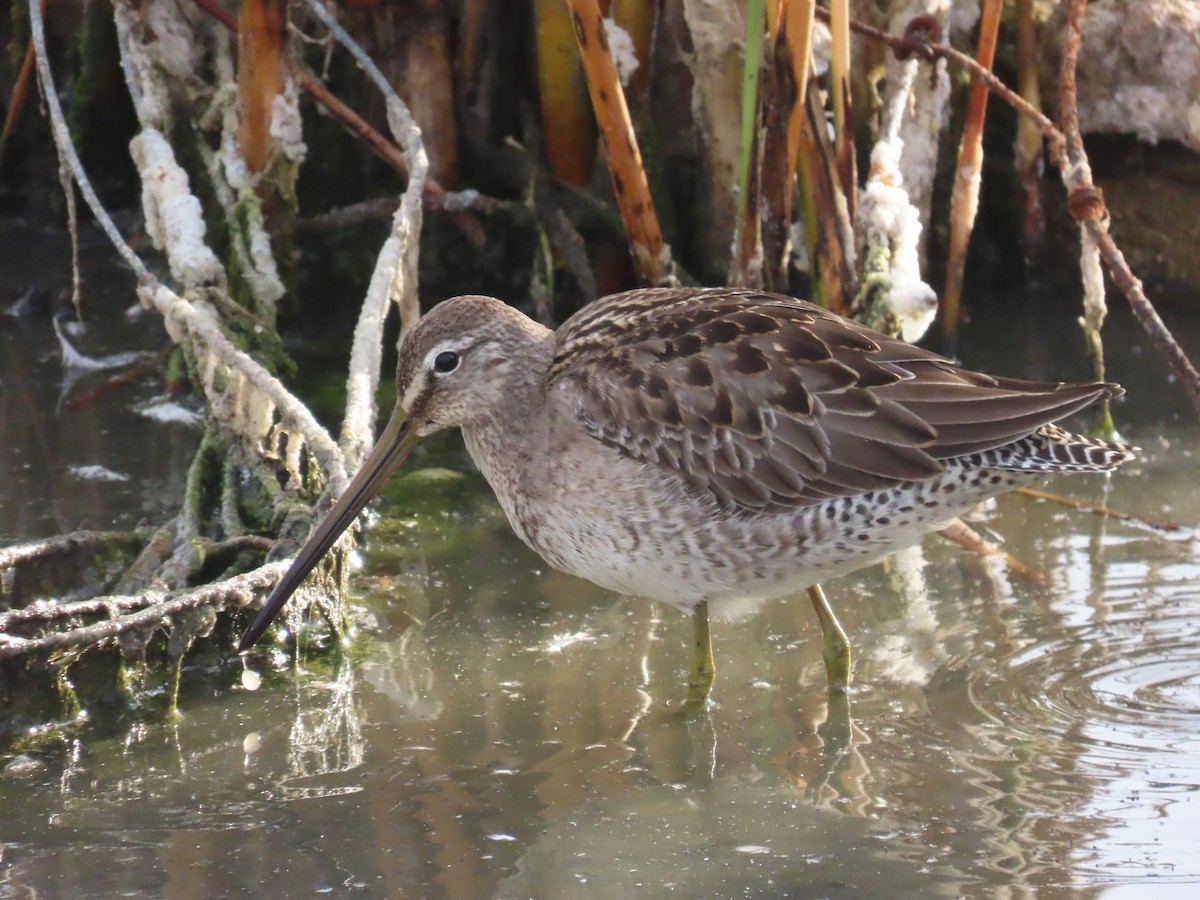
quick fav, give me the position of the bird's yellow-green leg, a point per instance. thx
(835, 648)
(700, 681)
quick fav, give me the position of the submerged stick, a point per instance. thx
(959, 532)
(1107, 512)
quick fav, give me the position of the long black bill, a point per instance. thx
(385, 457)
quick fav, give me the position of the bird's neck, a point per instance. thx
(505, 443)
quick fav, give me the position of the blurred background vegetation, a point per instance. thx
(500, 96)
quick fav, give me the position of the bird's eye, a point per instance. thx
(445, 362)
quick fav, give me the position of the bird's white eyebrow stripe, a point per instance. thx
(419, 384)
(456, 345)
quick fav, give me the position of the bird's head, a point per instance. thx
(464, 360)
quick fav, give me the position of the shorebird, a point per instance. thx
(712, 448)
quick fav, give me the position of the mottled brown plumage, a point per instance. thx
(712, 447)
(772, 403)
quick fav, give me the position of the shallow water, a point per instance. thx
(510, 731)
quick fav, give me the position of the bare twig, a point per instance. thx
(914, 44)
(1077, 176)
(395, 275)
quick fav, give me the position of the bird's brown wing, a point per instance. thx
(768, 403)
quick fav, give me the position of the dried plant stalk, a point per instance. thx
(651, 255)
(843, 113)
(827, 224)
(747, 254)
(435, 194)
(16, 98)
(782, 101)
(1028, 147)
(262, 29)
(964, 202)
(568, 125)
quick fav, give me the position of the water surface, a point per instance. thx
(505, 730)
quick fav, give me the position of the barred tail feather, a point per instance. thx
(1053, 449)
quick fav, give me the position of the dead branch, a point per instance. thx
(434, 195)
(1084, 199)
(242, 396)
(395, 275)
(154, 610)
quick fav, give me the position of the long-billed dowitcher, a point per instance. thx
(712, 448)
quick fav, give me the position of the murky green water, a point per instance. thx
(509, 731)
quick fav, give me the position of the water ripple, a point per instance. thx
(1102, 688)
